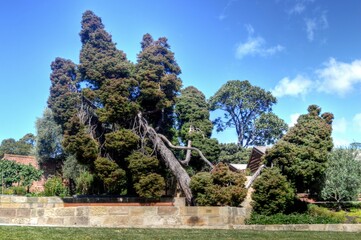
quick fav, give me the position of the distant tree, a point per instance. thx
(342, 176)
(249, 110)
(272, 193)
(302, 153)
(233, 153)
(194, 127)
(48, 138)
(23, 146)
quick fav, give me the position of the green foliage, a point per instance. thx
(143, 167)
(316, 211)
(281, 218)
(84, 182)
(54, 187)
(82, 145)
(23, 175)
(23, 146)
(111, 174)
(272, 193)
(219, 188)
(157, 73)
(248, 109)
(342, 176)
(122, 142)
(233, 153)
(194, 125)
(150, 186)
(64, 99)
(302, 153)
(19, 190)
(48, 138)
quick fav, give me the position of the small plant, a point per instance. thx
(54, 187)
(19, 190)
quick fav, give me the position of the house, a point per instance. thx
(256, 158)
(49, 169)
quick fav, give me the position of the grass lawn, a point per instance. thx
(49, 233)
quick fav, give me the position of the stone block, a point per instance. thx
(82, 221)
(189, 211)
(168, 211)
(4, 220)
(8, 212)
(136, 221)
(137, 211)
(20, 221)
(208, 211)
(19, 199)
(5, 199)
(65, 212)
(23, 213)
(82, 212)
(217, 221)
(121, 210)
(194, 221)
(96, 211)
(49, 212)
(117, 221)
(32, 200)
(34, 221)
(55, 221)
(179, 201)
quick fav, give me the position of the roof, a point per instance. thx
(261, 149)
(21, 159)
(239, 167)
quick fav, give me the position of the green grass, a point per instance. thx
(48, 233)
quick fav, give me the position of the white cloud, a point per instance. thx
(294, 117)
(223, 15)
(293, 87)
(339, 125)
(339, 77)
(315, 24)
(357, 121)
(339, 142)
(256, 46)
(299, 7)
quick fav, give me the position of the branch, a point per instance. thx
(255, 175)
(186, 148)
(188, 155)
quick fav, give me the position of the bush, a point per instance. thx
(150, 186)
(281, 218)
(317, 211)
(54, 187)
(272, 193)
(19, 190)
(219, 188)
(84, 182)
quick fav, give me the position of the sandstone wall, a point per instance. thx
(50, 211)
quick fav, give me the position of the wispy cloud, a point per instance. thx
(299, 6)
(339, 125)
(357, 121)
(339, 77)
(315, 24)
(223, 15)
(256, 46)
(298, 86)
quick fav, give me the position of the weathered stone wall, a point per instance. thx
(52, 212)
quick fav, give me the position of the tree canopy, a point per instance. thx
(302, 153)
(248, 109)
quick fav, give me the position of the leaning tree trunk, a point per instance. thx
(168, 158)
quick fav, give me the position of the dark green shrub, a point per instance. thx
(272, 193)
(219, 188)
(54, 187)
(281, 218)
(150, 186)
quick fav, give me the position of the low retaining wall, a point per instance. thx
(51, 211)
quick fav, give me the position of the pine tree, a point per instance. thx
(302, 153)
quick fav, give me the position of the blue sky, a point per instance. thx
(304, 51)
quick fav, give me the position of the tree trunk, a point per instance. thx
(168, 158)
